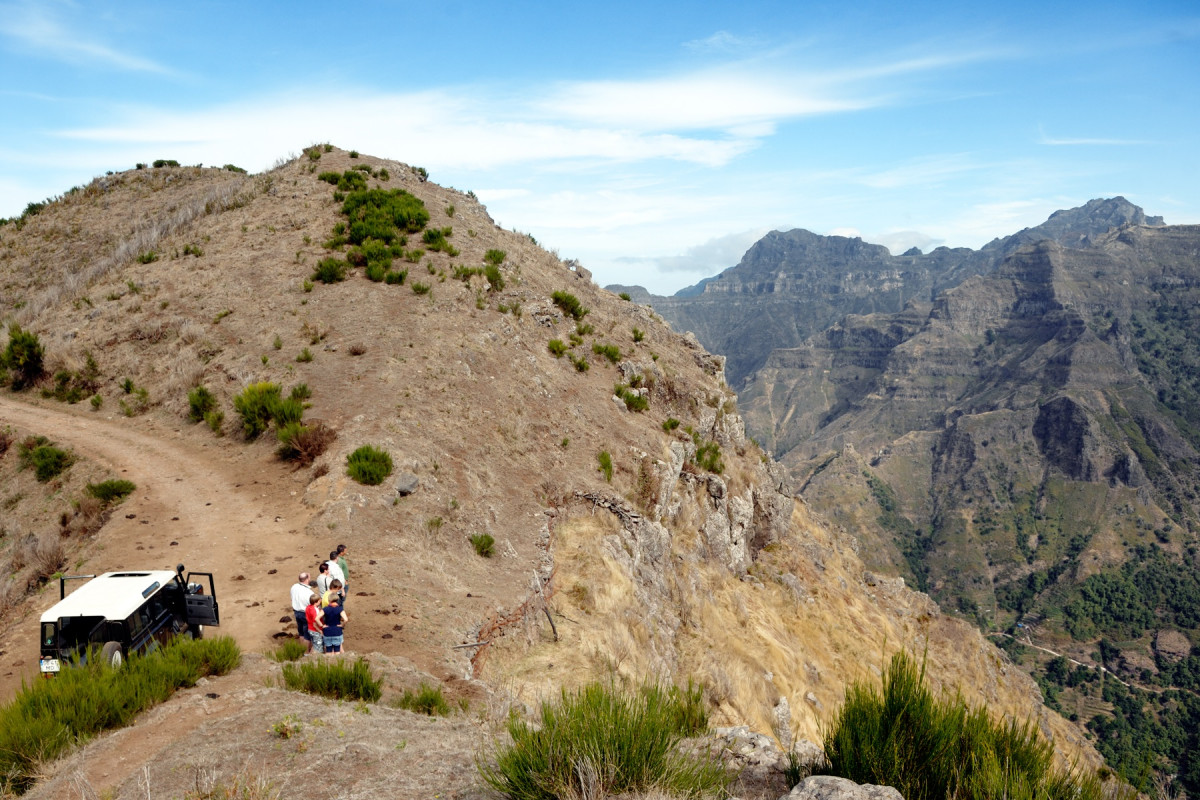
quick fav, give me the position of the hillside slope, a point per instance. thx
(687, 561)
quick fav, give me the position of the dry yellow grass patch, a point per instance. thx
(753, 641)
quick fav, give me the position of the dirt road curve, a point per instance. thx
(213, 505)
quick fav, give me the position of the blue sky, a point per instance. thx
(653, 141)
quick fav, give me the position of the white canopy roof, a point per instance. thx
(113, 595)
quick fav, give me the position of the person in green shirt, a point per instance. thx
(341, 560)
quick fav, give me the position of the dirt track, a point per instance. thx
(214, 507)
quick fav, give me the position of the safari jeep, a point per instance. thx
(119, 613)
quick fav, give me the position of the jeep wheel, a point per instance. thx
(112, 655)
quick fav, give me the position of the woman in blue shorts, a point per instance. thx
(335, 618)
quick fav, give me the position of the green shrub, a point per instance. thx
(606, 466)
(233, 168)
(583, 330)
(300, 392)
(570, 305)
(420, 288)
(200, 402)
(289, 650)
(330, 270)
(708, 457)
(147, 257)
(22, 357)
(395, 278)
(215, 419)
(285, 410)
(604, 741)
(633, 400)
(435, 239)
(609, 351)
(352, 181)
(304, 356)
(165, 162)
(426, 700)
(369, 465)
(670, 424)
(557, 347)
(484, 543)
(494, 278)
(46, 460)
(932, 749)
(624, 296)
(382, 214)
(334, 679)
(580, 362)
(111, 491)
(47, 717)
(638, 335)
(494, 257)
(254, 405)
(97, 402)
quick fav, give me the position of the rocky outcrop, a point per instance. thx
(792, 285)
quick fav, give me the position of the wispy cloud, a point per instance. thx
(1067, 141)
(720, 42)
(37, 27)
(708, 258)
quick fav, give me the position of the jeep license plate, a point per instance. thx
(50, 665)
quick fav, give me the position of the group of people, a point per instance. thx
(320, 604)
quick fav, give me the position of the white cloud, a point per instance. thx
(34, 25)
(898, 242)
(434, 129)
(1067, 141)
(716, 99)
(720, 42)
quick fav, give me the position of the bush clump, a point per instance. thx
(633, 400)
(111, 491)
(47, 717)
(46, 460)
(22, 357)
(609, 351)
(254, 406)
(569, 304)
(427, 700)
(484, 544)
(557, 347)
(931, 749)
(604, 459)
(200, 402)
(382, 214)
(304, 444)
(609, 742)
(334, 679)
(369, 465)
(330, 270)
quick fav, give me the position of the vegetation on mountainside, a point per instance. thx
(22, 357)
(46, 460)
(369, 465)
(607, 741)
(334, 679)
(931, 749)
(47, 717)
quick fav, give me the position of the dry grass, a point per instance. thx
(752, 643)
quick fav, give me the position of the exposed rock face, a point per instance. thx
(1013, 424)
(792, 285)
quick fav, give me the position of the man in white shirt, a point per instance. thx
(301, 592)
